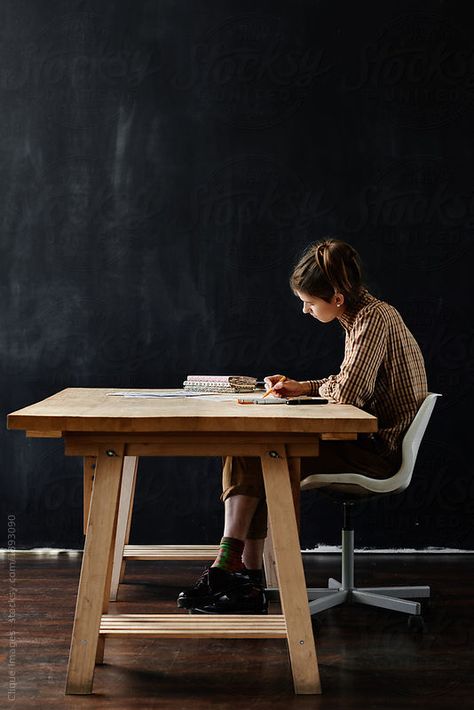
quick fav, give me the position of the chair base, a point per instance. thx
(393, 598)
(345, 592)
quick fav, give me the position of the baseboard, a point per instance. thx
(335, 549)
(320, 549)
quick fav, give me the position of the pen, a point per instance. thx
(261, 400)
(309, 400)
(282, 379)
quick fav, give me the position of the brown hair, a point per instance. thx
(328, 267)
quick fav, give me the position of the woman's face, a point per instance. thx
(322, 310)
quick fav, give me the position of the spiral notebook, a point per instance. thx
(219, 383)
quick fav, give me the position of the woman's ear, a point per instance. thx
(339, 299)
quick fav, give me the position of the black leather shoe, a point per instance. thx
(255, 575)
(242, 597)
(212, 581)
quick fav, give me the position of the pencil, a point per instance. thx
(282, 379)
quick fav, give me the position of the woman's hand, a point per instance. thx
(287, 388)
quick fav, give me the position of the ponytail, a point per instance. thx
(328, 267)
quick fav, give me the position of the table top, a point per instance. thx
(79, 409)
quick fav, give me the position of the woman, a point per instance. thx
(382, 372)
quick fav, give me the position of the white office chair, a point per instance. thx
(344, 591)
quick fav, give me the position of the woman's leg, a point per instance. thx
(253, 553)
(223, 588)
(239, 510)
(245, 507)
(239, 514)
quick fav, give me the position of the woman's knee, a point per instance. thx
(242, 476)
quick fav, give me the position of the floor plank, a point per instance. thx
(368, 658)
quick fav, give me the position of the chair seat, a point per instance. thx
(351, 483)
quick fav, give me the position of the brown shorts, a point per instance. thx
(243, 475)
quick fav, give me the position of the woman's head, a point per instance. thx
(328, 279)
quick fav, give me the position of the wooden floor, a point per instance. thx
(368, 658)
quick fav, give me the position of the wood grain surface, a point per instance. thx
(78, 409)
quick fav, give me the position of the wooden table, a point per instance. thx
(111, 428)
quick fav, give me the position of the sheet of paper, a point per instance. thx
(219, 397)
(150, 395)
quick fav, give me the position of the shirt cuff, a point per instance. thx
(314, 385)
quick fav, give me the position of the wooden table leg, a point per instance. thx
(116, 565)
(127, 494)
(293, 596)
(95, 565)
(269, 565)
(294, 468)
(99, 654)
(88, 473)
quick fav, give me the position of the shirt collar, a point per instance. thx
(348, 317)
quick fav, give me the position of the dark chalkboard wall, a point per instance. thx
(161, 166)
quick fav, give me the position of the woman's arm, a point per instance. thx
(355, 383)
(287, 388)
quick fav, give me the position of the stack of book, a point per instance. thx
(219, 383)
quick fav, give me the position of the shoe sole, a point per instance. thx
(190, 603)
(239, 612)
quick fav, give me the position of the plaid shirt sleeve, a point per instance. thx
(364, 353)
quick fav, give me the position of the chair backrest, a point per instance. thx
(411, 443)
(352, 482)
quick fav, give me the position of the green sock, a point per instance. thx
(229, 557)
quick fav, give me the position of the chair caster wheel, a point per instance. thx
(416, 623)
